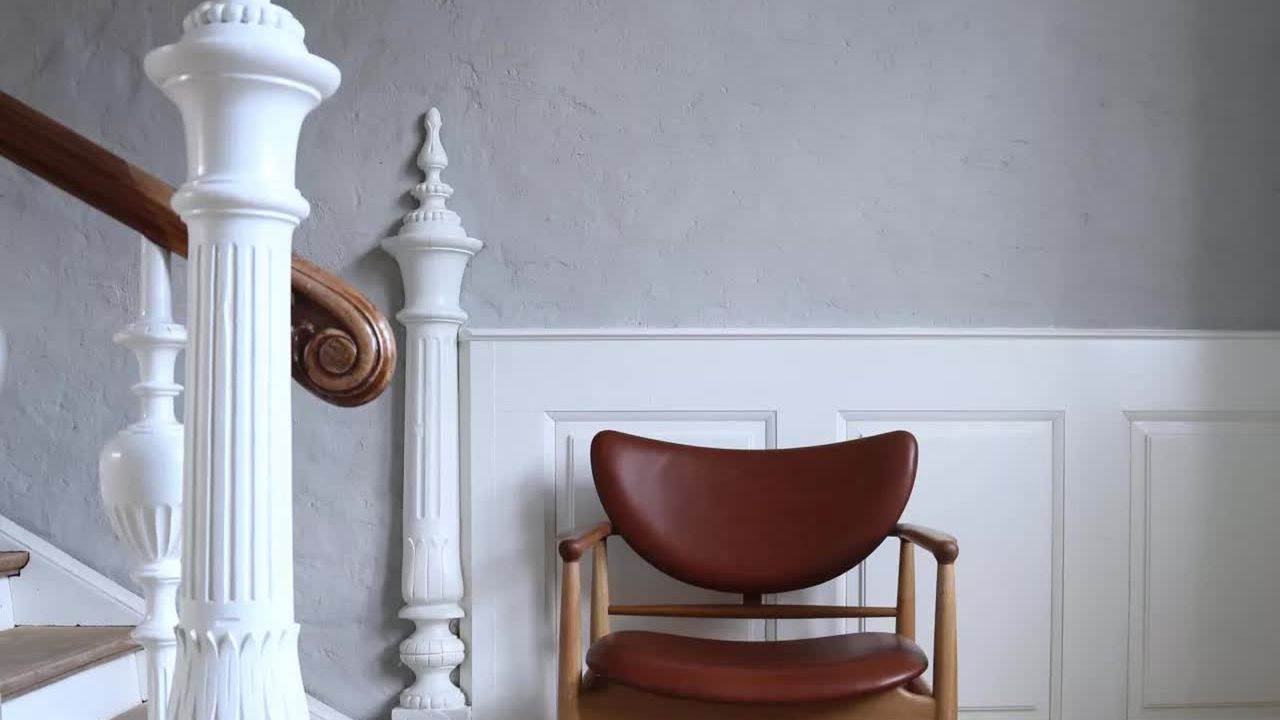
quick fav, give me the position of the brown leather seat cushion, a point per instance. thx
(789, 671)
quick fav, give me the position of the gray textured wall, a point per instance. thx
(671, 162)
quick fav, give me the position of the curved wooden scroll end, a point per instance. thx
(343, 349)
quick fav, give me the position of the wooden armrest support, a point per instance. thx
(573, 545)
(943, 546)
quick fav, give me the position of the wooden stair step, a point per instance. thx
(34, 656)
(12, 562)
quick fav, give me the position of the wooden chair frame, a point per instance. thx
(585, 697)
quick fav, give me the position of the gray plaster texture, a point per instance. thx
(799, 163)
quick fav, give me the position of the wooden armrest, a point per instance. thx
(574, 544)
(943, 546)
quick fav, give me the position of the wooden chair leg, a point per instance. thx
(944, 645)
(569, 679)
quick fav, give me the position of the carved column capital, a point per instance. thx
(244, 82)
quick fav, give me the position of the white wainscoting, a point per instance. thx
(1114, 495)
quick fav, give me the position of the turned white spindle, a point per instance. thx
(141, 473)
(244, 82)
(433, 250)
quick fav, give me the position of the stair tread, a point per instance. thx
(33, 656)
(12, 562)
(137, 713)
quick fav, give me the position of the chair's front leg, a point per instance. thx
(569, 680)
(945, 688)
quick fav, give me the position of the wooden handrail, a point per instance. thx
(343, 349)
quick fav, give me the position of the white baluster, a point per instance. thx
(244, 82)
(141, 473)
(433, 250)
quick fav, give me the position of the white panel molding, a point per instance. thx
(861, 423)
(690, 427)
(1148, 428)
(570, 437)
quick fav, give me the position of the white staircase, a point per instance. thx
(69, 625)
(47, 670)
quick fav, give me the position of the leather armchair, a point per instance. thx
(694, 514)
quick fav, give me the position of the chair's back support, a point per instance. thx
(753, 521)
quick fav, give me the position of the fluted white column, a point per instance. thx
(244, 82)
(141, 473)
(433, 250)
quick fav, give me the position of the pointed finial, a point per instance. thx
(434, 193)
(433, 155)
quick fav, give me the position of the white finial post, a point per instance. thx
(244, 81)
(140, 470)
(433, 250)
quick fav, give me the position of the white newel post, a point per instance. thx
(141, 473)
(433, 250)
(244, 82)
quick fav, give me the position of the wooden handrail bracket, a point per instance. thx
(343, 349)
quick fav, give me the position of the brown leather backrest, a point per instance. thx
(753, 521)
